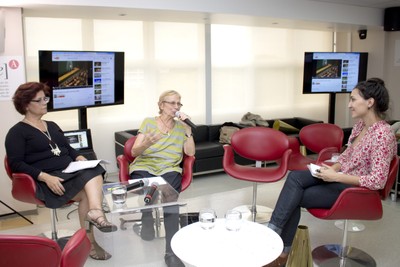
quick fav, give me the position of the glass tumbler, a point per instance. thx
(233, 220)
(119, 194)
(207, 218)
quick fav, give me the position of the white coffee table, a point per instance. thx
(253, 245)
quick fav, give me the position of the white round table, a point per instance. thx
(253, 245)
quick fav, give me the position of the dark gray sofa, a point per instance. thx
(209, 151)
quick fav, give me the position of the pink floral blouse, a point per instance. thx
(370, 158)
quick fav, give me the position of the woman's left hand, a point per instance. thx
(80, 158)
(327, 173)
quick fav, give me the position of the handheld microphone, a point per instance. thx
(136, 184)
(187, 121)
(150, 193)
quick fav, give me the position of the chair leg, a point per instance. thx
(352, 226)
(341, 254)
(53, 224)
(254, 212)
(61, 241)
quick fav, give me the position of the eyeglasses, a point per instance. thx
(45, 100)
(174, 103)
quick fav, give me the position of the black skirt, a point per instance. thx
(73, 184)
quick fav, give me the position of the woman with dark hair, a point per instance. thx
(364, 163)
(40, 149)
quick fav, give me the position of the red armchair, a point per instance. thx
(36, 251)
(355, 203)
(323, 139)
(126, 159)
(260, 144)
(24, 189)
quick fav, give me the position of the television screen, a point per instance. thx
(81, 79)
(333, 72)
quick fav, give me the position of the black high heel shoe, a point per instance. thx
(100, 222)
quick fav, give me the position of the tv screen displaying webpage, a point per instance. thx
(80, 79)
(333, 72)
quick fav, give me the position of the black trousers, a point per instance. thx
(171, 213)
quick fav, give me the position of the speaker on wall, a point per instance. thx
(362, 34)
(392, 19)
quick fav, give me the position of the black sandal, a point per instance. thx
(101, 222)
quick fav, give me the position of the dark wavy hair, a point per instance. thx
(26, 92)
(375, 88)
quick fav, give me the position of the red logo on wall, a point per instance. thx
(13, 64)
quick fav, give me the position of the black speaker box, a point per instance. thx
(392, 19)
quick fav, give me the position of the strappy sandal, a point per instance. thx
(101, 222)
(98, 253)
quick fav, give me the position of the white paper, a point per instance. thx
(158, 180)
(83, 164)
(313, 169)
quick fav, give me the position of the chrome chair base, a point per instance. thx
(352, 226)
(261, 214)
(329, 256)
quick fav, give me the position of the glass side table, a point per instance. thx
(126, 244)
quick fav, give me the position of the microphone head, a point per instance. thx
(177, 114)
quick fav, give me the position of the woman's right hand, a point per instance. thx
(53, 182)
(151, 138)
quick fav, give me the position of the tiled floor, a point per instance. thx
(381, 239)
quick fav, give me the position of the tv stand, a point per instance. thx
(332, 107)
(82, 113)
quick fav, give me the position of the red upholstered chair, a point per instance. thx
(260, 144)
(355, 203)
(323, 139)
(76, 251)
(24, 189)
(37, 251)
(127, 158)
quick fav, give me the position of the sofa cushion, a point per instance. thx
(208, 150)
(200, 134)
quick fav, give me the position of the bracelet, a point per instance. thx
(189, 135)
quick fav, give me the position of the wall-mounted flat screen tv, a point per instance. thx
(82, 79)
(333, 72)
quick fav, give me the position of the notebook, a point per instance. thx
(81, 140)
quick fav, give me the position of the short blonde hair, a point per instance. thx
(163, 95)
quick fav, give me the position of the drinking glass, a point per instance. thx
(207, 218)
(119, 194)
(233, 220)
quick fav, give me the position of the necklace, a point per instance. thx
(165, 125)
(54, 147)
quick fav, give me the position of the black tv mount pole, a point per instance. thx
(82, 113)
(332, 106)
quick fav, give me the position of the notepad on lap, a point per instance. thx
(83, 164)
(313, 169)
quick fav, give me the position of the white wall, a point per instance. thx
(13, 47)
